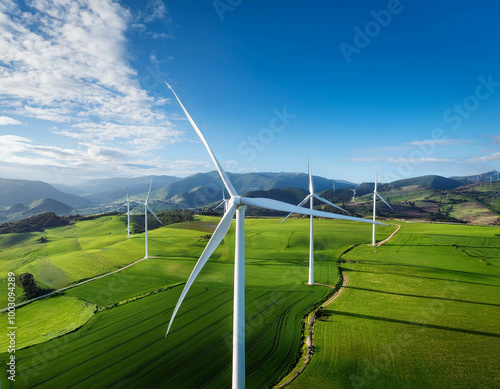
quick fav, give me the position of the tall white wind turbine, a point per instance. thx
(237, 205)
(354, 192)
(146, 209)
(310, 197)
(375, 195)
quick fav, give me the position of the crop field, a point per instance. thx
(123, 344)
(421, 311)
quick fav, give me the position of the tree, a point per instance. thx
(28, 283)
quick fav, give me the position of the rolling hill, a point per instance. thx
(23, 191)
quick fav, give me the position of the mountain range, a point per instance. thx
(22, 198)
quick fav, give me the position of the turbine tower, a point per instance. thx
(375, 195)
(311, 196)
(128, 216)
(237, 205)
(146, 209)
(354, 192)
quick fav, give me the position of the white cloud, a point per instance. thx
(443, 142)
(4, 121)
(139, 137)
(63, 165)
(416, 160)
(68, 60)
(486, 158)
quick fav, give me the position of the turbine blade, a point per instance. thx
(381, 198)
(222, 173)
(219, 234)
(149, 191)
(127, 194)
(329, 203)
(151, 211)
(311, 185)
(285, 207)
(298, 205)
(222, 202)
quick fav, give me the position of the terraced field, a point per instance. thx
(123, 344)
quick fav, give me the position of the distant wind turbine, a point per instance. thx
(224, 201)
(375, 195)
(127, 203)
(146, 209)
(494, 197)
(128, 216)
(354, 192)
(237, 205)
(310, 197)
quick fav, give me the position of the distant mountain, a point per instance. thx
(25, 210)
(204, 188)
(24, 191)
(431, 181)
(484, 177)
(112, 189)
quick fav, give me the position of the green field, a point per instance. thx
(419, 311)
(123, 345)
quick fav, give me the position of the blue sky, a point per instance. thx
(412, 88)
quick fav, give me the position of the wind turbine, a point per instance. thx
(375, 195)
(311, 196)
(146, 209)
(354, 192)
(128, 214)
(493, 197)
(237, 205)
(224, 201)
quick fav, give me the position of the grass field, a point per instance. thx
(122, 344)
(420, 311)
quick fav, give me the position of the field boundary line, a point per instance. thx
(312, 320)
(389, 237)
(75, 285)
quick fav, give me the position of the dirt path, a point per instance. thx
(75, 285)
(390, 236)
(310, 336)
(337, 294)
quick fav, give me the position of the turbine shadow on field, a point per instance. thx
(368, 262)
(414, 276)
(417, 324)
(424, 297)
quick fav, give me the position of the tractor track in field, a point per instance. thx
(75, 285)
